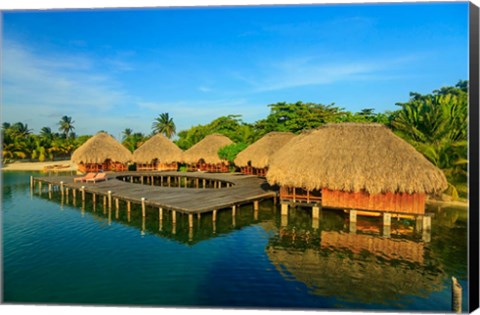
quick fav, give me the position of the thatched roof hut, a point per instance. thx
(353, 157)
(260, 152)
(100, 148)
(158, 148)
(207, 149)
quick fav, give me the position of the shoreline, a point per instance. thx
(67, 165)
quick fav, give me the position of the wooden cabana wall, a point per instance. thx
(389, 202)
(157, 166)
(105, 166)
(250, 170)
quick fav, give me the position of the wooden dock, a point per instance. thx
(184, 192)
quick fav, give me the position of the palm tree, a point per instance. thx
(164, 124)
(46, 133)
(21, 130)
(126, 133)
(66, 125)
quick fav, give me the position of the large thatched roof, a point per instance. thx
(100, 148)
(259, 153)
(354, 157)
(158, 147)
(207, 149)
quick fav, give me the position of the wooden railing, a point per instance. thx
(300, 195)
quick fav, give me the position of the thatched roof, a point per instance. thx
(158, 147)
(259, 153)
(354, 157)
(100, 148)
(207, 149)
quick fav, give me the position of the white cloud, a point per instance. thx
(37, 86)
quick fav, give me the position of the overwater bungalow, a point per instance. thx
(101, 153)
(355, 166)
(203, 155)
(158, 154)
(255, 159)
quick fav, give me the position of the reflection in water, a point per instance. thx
(354, 263)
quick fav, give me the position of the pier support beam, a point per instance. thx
(387, 219)
(174, 217)
(31, 182)
(255, 205)
(117, 204)
(284, 209)
(353, 216)
(427, 223)
(352, 227)
(109, 199)
(234, 209)
(190, 220)
(255, 215)
(316, 212)
(94, 198)
(160, 214)
(83, 193)
(143, 207)
(204, 183)
(61, 187)
(214, 215)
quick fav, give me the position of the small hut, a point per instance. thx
(254, 160)
(101, 153)
(355, 166)
(158, 153)
(203, 155)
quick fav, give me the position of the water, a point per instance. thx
(55, 252)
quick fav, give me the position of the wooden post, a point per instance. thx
(234, 208)
(31, 182)
(174, 217)
(61, 187)
(143, 206)
(219, 184)
(199, 216)
(204, 183)
(352, 226)
(255, 205)
(151, 180)
(143, 226)
(141, 179)
(387, 219)
(109, 199)
(456, 296)
(214, 215)
(284, 220)
(284, 209)
(161, 181)
(168, 181)
(131, 179)
(104, 201)
(83, 193)
(117, 205)
(94, 198)
(190, 220)
(74, 193)
(160, 214)
(427, 223)
(196, 182)
(353, 216)
(255, 215)
(129, 205)
(39, 188)
(418, 223)
(49, 188)
(109, 216)
(315, 212)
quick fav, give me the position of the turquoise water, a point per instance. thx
(55, 252)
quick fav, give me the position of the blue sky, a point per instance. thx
(115, 69)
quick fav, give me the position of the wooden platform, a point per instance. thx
(243, 189)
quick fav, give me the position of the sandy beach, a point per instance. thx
(39, 166)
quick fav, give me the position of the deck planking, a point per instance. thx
(244, 189)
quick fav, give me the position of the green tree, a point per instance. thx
(66, 125)
(230, 152)
(164, 124)
(437, 126)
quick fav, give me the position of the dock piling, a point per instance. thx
(83, 193)
(109, 199)
(143, 207)
(284, 209)
(190, 220)
(456, 296)
(174, 217)
(214, 215)
(255, 205)
(61, 187)
(353, 216)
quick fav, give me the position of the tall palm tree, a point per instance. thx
(126, 133)
(21, 130)
(66, 125)
(164, 124)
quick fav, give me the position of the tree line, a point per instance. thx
(436, 124)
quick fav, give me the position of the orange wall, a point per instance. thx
(392, 202)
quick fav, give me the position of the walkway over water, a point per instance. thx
(178, 191)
